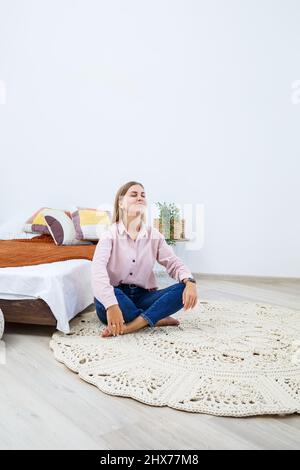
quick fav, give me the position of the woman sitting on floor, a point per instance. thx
(124, 285)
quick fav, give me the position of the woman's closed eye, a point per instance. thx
(135, 195)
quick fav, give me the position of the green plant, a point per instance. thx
(168, 214)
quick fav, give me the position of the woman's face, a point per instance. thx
(134, 201)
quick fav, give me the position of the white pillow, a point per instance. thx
(61, 228)
(13, 228)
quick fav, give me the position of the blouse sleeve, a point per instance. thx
(102, 289)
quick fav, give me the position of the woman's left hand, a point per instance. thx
(190, 295)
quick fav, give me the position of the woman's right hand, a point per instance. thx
(115, 320)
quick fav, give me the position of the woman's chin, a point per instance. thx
(138, 210)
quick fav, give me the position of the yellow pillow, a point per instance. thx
(89, 223)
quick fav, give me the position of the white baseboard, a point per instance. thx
(233, 277)
(244, 277)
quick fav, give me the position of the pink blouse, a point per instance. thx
(118, 258)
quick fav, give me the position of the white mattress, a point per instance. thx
(65, 286)
(15, 296)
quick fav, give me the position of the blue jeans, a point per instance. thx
(151, 305)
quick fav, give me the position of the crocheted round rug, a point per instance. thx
(226, 358)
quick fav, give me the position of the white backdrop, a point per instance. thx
(192, 98)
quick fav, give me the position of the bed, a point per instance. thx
(45, 293)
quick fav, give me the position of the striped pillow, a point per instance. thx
(61, 227)
(90, 223)
(37, 224)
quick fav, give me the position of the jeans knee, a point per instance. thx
(178, 291)
(101, 311)
(180, 286)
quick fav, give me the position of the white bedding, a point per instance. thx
(65, 286)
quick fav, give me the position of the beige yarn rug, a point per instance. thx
(227, 358)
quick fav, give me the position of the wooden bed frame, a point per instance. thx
(32, 311)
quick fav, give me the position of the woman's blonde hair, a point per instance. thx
(120, 193)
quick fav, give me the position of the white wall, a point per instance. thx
(193, 98)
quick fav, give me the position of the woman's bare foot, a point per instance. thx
(105, 333)
(139, 323)
(130, 327)
(168, 321)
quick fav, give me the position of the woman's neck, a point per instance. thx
(132, 223)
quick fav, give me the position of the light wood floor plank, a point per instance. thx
(43, 405)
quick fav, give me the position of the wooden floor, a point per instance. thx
(43, 405)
